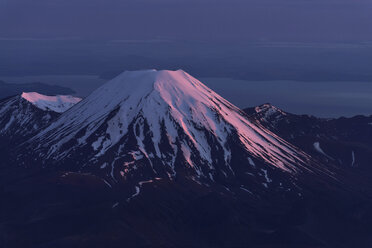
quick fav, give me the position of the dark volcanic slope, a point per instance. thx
(20, 120)
(156, 159)
(343, 141)
(23, 116)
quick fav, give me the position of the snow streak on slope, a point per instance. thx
(57, 104)
(320, 150)
(150, 103)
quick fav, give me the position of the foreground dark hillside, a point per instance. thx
(169, 163)
(43, 208)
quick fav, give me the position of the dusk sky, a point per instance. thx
(207, 20)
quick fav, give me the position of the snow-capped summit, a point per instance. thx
(152, 123)
(59, 103)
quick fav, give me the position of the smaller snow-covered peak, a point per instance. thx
(268, 111)
(142, 82)
(58, 104)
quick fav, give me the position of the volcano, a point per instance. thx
(157, 159)
(152, 124)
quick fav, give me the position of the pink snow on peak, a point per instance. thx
(58, 104)
(173, 99)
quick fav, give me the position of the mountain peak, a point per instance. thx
(140, 83)
(267, 113)
(269, 109)
(20, 118)
(166, 122)
(59, 103)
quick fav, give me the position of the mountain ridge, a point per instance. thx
(22, 117)
(339, 136)
(153, 124)
(57, 103)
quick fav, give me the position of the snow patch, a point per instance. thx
(352, 158)
(320, 150)
(107, 183)
(246, 190)
(266, 176)
(138, 188)
(251, 162)
(137, 191)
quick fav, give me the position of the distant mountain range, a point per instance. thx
(7, 89)
(157, 159)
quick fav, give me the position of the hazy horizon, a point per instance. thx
(325, 46)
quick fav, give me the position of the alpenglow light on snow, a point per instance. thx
(164, 119)
(57, 104)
